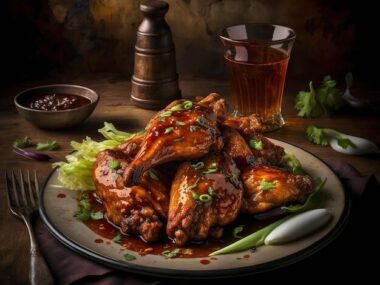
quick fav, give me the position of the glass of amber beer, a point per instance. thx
(257, 57)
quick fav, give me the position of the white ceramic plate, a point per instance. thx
(58, 215)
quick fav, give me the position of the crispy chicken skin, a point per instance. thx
(193, 219)
(137, 209)
(176, 135)
(255, 167)
(237, 147)
(286, 189)
(247, 126)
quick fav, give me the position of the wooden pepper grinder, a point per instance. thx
(155, 79)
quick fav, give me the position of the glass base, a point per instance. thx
(273, 123)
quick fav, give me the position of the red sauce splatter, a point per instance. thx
(247, 256)
(61, 195)
(204, 261)
(98, 240)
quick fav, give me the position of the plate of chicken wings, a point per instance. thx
(196, 180)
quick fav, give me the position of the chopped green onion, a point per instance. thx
(234, 178)
(195, 196)
(166, 114)
(211, 191)
(256, 144)
(205, 198)
(253, 240)
(194, 128)
(212, 168)
(265, 185)
(170, 254)
(114, 164)
(117, 239)
(186, 105)
(179, 123)
(237, 230)
(152, 175)
(168, 130)
(97, 215)
(198, 165)
(84, 210)
(201, 120)
(194, 185)
(129, 257)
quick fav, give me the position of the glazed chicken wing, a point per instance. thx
(268, 187)
(137, 209)
(182, 131)
(258, 177)
(205, 195)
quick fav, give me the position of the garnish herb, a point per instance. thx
(234, 178)
(194, 185)
(330, 97)
(319, 136)
(179, 123)
(306, 103)
(153, 176)
(252, 241)
(97, 215)
(129, 257)
(47, 146)
(23, 142)
(114, 164)
(256, 144)
(327, 98)
(205, 198)
(170, 254)
(265, 185)
(211, 191)
(117, 239)
(201, 120)
(212, 168)
(186, 105)
(195, 196)
(166, 114)
(292, 163)
(237, 230)
(84, 212)
(194, 128)
(168, 130)
(198, 165)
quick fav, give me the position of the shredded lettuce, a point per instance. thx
(76, 172)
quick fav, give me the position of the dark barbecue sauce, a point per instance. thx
(55, 101)
(107, 230)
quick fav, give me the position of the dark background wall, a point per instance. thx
(91, 36)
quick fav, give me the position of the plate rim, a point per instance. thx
(201, 274)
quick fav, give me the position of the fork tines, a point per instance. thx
(21, 193)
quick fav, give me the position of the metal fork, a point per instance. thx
(23, 202)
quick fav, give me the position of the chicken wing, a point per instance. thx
(267, 187)
(138, 209)
(205, 195)
(182, 131)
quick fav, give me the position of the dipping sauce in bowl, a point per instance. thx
(56, 106)
(55, 101)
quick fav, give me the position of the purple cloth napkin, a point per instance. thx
(69, 267)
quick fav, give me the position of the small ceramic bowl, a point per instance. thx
(56, 119)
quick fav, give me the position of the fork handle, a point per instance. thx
(39, 271)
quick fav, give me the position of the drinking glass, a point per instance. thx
(257, 57)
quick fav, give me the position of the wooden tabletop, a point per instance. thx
(115, 107)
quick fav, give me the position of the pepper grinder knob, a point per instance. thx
(155, 79)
